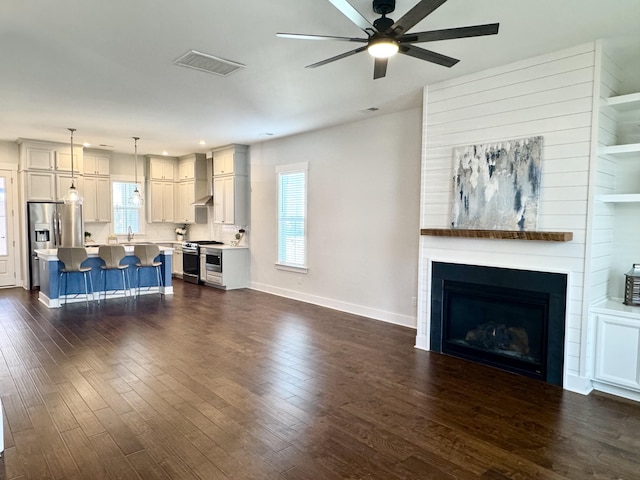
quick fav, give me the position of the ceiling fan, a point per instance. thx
(386, 37)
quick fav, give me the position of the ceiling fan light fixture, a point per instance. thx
(383, 48)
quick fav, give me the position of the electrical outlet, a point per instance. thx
(414, 302)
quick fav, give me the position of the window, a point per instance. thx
(125, 215)
(292, 216)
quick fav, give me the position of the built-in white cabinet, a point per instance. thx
(63, 183)
(230, 200)
(161, 202)
(63, 160)
(97, 199)
(95, 164)
(191, 187)
(230, 185)
(618, 348)
(40, 186)
(161, 168)
(235, 269)
(39, 158)
(176, 266)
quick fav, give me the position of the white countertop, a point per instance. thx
(51, 254)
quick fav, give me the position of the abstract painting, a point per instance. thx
(497, 186)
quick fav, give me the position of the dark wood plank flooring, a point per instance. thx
(207, 384)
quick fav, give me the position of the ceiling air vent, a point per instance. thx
(208, 63)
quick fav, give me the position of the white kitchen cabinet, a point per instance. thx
(41, 186)
(187, 193)
(39, 158)
(230, 200)
(95, 164)
(97, 199)
(63, 183)
(235, 269)
(176, 266)
(63, 160)
(618, 349)
(161, 168)
(230, 160)
(192, 167)
(161, 202)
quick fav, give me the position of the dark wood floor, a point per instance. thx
(244, 385)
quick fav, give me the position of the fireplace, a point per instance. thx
(506, 318)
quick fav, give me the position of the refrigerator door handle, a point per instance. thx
(56, 229)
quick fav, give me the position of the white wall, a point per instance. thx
(550, 96)
(363, 211)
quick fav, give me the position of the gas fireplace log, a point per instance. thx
(494, 336)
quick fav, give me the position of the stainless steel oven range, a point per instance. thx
(191, 260)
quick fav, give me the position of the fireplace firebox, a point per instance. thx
(507, 318)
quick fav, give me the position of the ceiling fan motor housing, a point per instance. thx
(384, 7)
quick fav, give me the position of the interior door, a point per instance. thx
(7, 243)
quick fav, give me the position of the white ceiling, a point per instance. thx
(106, 67)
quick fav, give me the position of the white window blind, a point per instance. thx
(292, 215)
(125, 214)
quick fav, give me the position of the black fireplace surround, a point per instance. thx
(507, 318)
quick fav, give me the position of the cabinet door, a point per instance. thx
(161, 169)
(40, 159)
(95, 165)
(218, 200)
(91, 199)
(41, 186)
(177, 263)
(103, 199)
(229, 200)
(63, 183)
(168, 202)
(156, 203)
(223, 163)
(185, 212)
(617, 351)
(63, 162)
(187, 169)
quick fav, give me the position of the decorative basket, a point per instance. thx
(632, 286)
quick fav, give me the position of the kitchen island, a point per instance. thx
(50, 266)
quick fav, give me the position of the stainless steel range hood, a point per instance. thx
(205, 201)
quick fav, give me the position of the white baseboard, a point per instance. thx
(422, 342)
(618, 391)
(389, 317)
(576, 384)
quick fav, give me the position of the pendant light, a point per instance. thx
(136, 197)
(73, 196)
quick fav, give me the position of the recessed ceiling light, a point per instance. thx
(165, 152)
(85, 144)
(202, 142)
(266, 134)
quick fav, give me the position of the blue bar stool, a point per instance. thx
(72, 258)
(111, 255)
(147, 254)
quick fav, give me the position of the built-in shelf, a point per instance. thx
(620, 150)
(614, 306)
(624, 102)
(620, 198)
(498, 234)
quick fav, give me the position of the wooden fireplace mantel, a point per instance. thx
(503, 234)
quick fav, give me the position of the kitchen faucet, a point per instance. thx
(129, 233)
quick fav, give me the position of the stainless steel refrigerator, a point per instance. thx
(52, 225)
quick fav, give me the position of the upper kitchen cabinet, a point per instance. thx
(161, 202)
(63, 160)
(192, 167)
(96, 163)
(188, 192)
(231, 200)
(97, 198)
(230, 160)
(39, 159)
(161, 168)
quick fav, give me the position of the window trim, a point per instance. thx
(283, 169)
(142, 219)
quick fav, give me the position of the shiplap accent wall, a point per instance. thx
(552, 96)
(605, 183)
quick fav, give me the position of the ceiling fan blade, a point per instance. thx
(380, 68)
(302, 36)
(451, 33)
(352, 14)
(414, 16)
(337, 57)
(428, 55)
